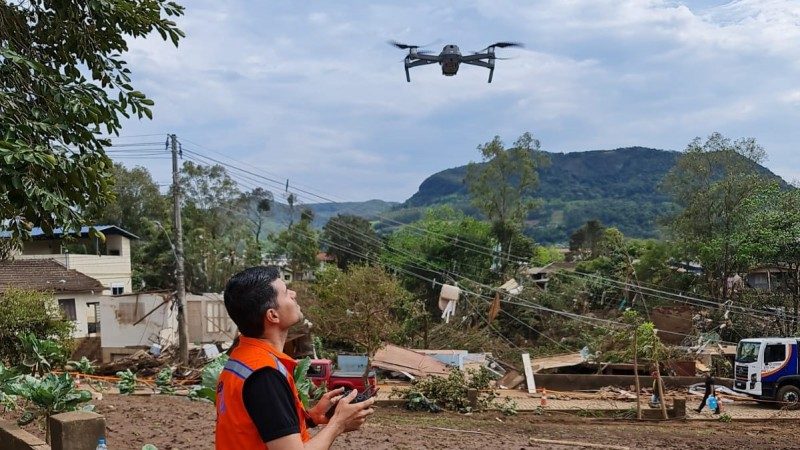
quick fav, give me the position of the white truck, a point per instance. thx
(768, 369)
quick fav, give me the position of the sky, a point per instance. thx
(311, 91)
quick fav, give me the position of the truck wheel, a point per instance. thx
(789, 396)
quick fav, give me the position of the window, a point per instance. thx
(216, 317)
(67, 306)
(287, 277)
(747, 352)
(774, 353)
(315, 370)
(117, 289)
(93, 317)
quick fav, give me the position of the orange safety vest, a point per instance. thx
(235, 428)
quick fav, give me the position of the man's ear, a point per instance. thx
(271, 316)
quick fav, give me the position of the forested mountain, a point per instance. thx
(619, 187)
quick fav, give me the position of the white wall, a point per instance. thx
(118, 313)
(81, 309)
(106, 269)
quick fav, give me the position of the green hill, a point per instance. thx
(619, 187)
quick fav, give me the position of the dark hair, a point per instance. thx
(248, 296)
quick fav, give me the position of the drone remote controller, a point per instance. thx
(361, 397)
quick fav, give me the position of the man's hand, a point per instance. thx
(327, 401)
(350, 416)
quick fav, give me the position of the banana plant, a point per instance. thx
(208, 378)
(305, 388)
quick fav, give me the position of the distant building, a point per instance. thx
(76, 294)
(108, 262)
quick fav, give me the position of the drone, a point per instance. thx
(450, 58)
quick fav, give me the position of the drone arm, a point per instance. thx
(476, 57)
(409, 64)
(420, 63)
(487, 64)
(424, 57)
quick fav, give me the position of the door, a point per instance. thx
(194, 317)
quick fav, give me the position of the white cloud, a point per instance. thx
(314, 93)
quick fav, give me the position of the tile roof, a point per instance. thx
(44, 275)
(38, 233)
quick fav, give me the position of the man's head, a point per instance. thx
(257, 298)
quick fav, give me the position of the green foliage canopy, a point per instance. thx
(34, 313)
(63, 82)
(502, 187)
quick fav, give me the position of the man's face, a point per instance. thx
(287, 309)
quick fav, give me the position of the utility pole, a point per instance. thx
(180, 283)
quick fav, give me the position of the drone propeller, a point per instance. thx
(506, 44)
(502, 45)
(402, 46)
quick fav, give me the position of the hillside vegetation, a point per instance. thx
(619, 187)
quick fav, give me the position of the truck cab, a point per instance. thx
(321, 372)
(768, 369)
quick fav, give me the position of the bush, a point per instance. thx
(30, 312)
(434, 392)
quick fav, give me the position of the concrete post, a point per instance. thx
(76, 430)
(679, 407)
(472, 396)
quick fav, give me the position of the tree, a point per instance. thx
(257, 205)
(364, 306)
(218, 242)
(586, 239)
(139, 207)
(502, 187)
(63, 82)
(351, 240)
(770, 235)
(299, 244)
(444, 240)
(711, 182)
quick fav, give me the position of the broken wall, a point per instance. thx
(121, 335)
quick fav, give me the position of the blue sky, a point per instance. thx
(310, 91)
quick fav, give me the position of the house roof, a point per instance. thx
(44, 275)
(38, 233)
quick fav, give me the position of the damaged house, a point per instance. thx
(91, 283)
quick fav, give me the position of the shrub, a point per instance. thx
(434, 392)
(30, 312)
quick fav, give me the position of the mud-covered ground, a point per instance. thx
(174, 422)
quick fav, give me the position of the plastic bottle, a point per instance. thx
(101, 444)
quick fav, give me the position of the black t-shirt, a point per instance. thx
(269, 401)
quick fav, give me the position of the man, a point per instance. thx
(655, 399)
(709, 384)
(257, 402)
